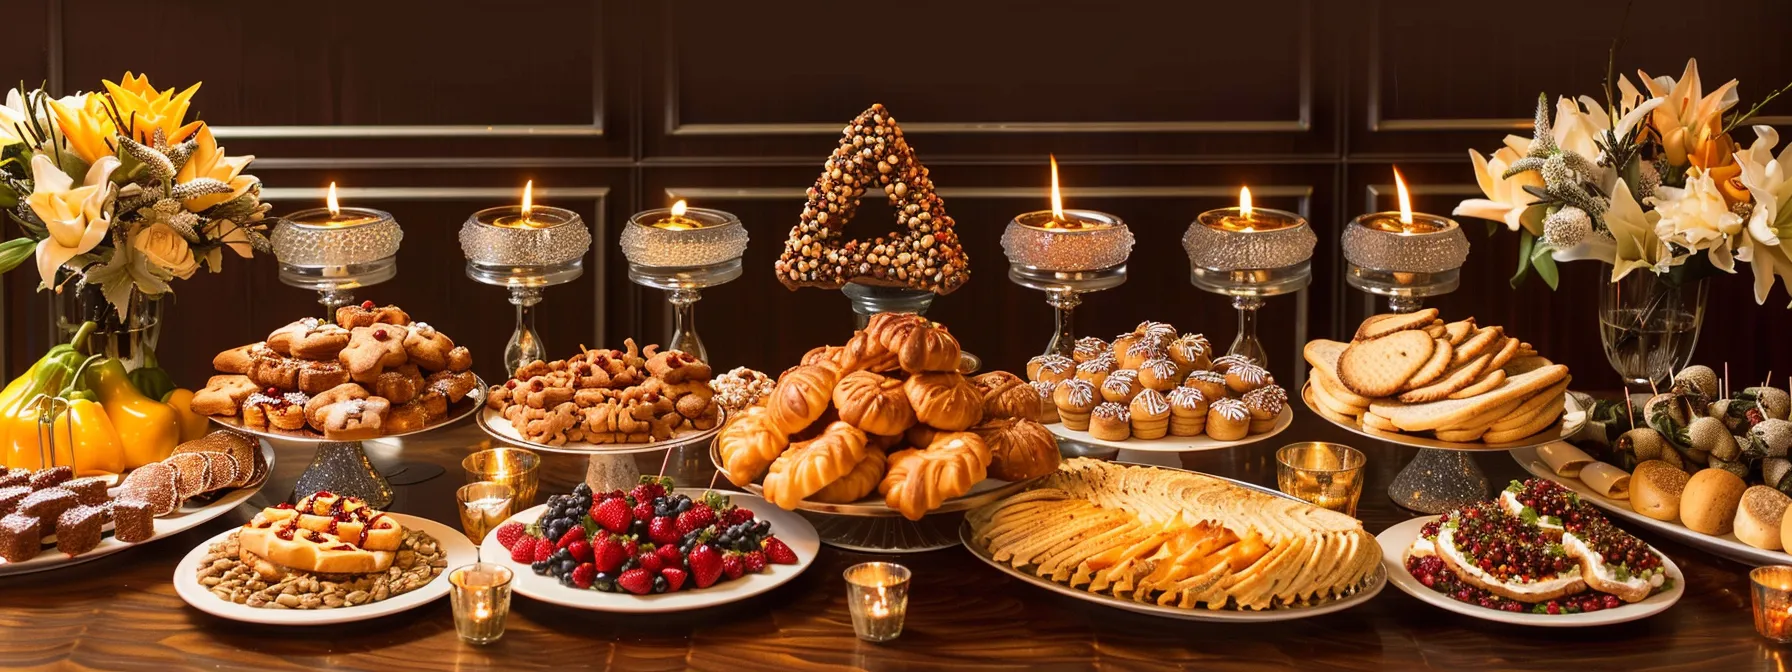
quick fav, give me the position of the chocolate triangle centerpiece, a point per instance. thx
(924, 254)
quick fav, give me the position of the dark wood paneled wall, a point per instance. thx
(1157, 110)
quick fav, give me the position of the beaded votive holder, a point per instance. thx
(1213, 247)
(1099, 240)
(719, 238)
(1422, 257)
(553, 237)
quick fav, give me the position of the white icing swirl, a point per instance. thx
(1249, 373)
(1079, 392)
(1102, 364)
(1208, 377)
(1150, 403)
(1187, 398)
(1230, 409)
(1162, 368)
(1112, 410)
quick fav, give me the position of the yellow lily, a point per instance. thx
(147, 109)
(209, 161)
(1506, 198)
(1769, 233)
(1685, 120)
(86, 127)
(1633, 230)
(75, 217)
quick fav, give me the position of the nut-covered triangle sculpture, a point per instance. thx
(924, 254)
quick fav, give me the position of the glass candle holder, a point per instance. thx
(1772, 588)
(1086, 241)
(1404, 261)
(877, 595)
(335, 253)
(481, 600)
(1327, 475)
(717, 237)
(515, 467)
(1249, 257)
(483, 506)
(502, 237)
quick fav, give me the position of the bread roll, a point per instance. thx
(748, 444)
(1759, 517)
(1709, 504)
(920, 480)
(944, 400)
(861, 481)
(1656, 488)
(1005, 395)
(1019, 448)
(801, 396)
(919, 345)
(874, 403)
(811, 465)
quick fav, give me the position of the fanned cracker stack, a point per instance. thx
(1411, 373)
(1175, 538)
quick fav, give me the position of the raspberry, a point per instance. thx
(732, 566)
(508, 533)
(736, 516)
(583, 574)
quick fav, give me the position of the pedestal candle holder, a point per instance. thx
(1406, 259)
(1249, 254)
(702, 250)
(1065, 262)
(333, 253)
(525, 254)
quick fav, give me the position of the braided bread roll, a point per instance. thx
(1005, 395)
(1019, 448)
(920, 480)
(861, 481)
(920, 346)
(748, 444)
(801, 396)
(810, 465)
(873, 403)
(944, 400)
(865, 353)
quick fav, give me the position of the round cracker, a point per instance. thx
(1455, 380)
(1435, 367)
(1490, 378)
(1378, 326)
(1481, 342)
(1379, 367)
(1459, 435)
(1312, 393)
(1378, 422)
(1541, 422)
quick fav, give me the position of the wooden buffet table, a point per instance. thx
(121, 612)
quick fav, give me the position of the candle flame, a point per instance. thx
(1057, 199)
(1405, 199)
(330, 201)
(528, 197)
(1244, 202)
(679, 208)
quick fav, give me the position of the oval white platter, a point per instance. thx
(787, 526)
(494, 423)
(1376, 582)
(185, 518)
(1395, 540)
(1727, 546)
(1172, 444)
(460, 552)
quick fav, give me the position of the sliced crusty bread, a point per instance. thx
(1323, 355)
(1432, 415)
(1434, 368)
(1458, 378)
(1501, 589)
(1379, 367)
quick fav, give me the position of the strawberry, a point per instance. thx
(508, 533)
(583, 574)
(706, 565)
(612, 515)
(674, 578)
(650, 489)
(778, 552)
(643, 511)
(733, 566)
(580, 550)
(697, 518)
(754, 561)
(637, 581)
(575, 533)
(629, 546)
(650, 561)
(736, 516)
(544, 549)
(670, 556)
(663, 530)
(609, 555)
(524, 551)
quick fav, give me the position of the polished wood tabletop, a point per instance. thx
(121, 611)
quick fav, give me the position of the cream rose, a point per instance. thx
(165, 248)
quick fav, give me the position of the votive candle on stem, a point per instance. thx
(877, 596)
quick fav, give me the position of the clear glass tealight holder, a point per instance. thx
(1404, 261)
(481, 601)
(1772, 588)
(483, 506)
(1327, 475)
(515, 467)
(1036, 240)
(877, 596)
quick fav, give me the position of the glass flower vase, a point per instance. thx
(1649, 324)
(124, 337)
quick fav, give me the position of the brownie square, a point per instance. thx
(19, 538)
(90, 491)
(14, 476)
(11, 496)
(52, 477)
(78, 529)
(132, 521)
(46, 505)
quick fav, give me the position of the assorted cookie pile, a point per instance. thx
(1412, 373)
(636, 395)
(1175, 538)
(1152, 383)
(324, 552)
(370, 373)
(887, 412)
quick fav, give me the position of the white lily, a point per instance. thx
(14, 115)
(1697, 217)
(1506, 198)
(1769, 230)
(1633, 231)
(1688, 117)
(76, 218)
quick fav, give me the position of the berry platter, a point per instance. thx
(675, 579)
(1397, 539)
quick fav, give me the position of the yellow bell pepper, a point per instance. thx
(10, 397)
(148, 429)
(86, 440)
(21, 414)
(192, 425)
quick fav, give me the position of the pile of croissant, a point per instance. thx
(889, 412)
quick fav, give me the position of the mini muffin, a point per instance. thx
(1110, 422)
(1141, 351)
(1159, 374)
(1265, 404)
(1048, 408)
(1159, 332)
(1150, 415)
(1050, 368)
(1122, 343)
(1192, 352)
(1242, 378)
(1089, 347)
(1228, 420)
(1188, 412)
(1074, 399)
(1121, 386)
(1225, 363)
(1212, 384)
(1096, 370)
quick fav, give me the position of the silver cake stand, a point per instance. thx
(611, 466)
(342, 467)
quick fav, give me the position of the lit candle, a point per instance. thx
(1248, 219)
(524, 219)
(333, 216)
(675, 219)
(1060, 219)
(480, 599)
(1772, 603)
(1405, 223)
(877, 597)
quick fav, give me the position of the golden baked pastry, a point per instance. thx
(874, 403)
(919, 345)
(944, 400)
(921, 479)
(748, 444)
(322, 534)
(861, 481)
(809, 466)
(1019, 448)
(801, 396)
(1005, 395)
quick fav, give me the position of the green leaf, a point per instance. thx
(1525, 241)
(15, 252)
(1545, 264)
(9, 199)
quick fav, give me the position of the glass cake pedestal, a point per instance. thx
(526, 285)
(1248, 288)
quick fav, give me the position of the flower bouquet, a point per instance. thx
(112, 189)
